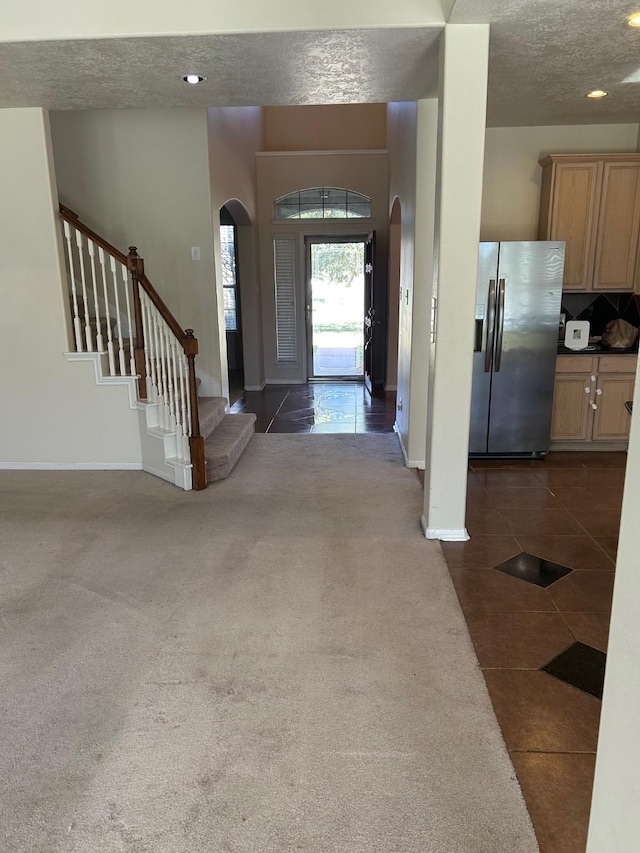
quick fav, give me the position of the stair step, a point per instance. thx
(211, 411)
(223, 447)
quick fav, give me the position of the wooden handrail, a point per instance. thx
(135, 265)
(73, 218)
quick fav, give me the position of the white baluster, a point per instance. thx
(153, 355)
(96, 307)
(170, 387)
(114, 276)
(127, 282)
(163, 374)
(107, 312)
(87, 327)
(183, 401)
(156, 334)
(145, 332)
(77, 334)
(176, 392)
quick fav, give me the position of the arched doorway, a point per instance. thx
(234, 225)
(395, 293)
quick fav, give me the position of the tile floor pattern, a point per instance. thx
(319, 407)
(564, 509)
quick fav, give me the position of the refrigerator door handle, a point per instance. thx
(500, 325)
(491, 325)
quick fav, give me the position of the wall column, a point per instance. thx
(615, 819)
(464, 52)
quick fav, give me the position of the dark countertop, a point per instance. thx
(597, 350)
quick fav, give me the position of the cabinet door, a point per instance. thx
(618, 227)
(612, 421)
(571, 418)
(575, 197)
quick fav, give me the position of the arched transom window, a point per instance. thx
(323, 203)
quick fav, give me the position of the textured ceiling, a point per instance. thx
(328, 67)
(546, 55)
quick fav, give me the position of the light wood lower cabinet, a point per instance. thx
(589, 398)
(611, 421)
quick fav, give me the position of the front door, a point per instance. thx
(335, 305)
(370, 321)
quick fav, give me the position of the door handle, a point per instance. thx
(500, 325)
(491, 325)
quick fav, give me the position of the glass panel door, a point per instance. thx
(335, 309)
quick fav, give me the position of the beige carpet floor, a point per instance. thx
(275, 664)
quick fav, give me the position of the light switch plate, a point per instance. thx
(195, 253)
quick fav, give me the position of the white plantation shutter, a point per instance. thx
(284, 255)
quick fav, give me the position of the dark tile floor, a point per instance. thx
(565, 510)
(319, 407)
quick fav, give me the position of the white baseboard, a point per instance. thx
(255, 387)
(410, 463)
(460, 535)
(71, 466)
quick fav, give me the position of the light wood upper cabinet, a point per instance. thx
(593, 203)
(617, 237)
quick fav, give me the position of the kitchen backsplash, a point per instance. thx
(600, 308)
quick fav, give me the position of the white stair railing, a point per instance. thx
(118, 314)
(167, 371)
(100, 301)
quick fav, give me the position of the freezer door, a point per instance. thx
(483, 346)
(528, 309)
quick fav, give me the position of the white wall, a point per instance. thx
(41, 19)
(512, 176)
(235, 135)
(279, 174)
(52, 411)
(464, 60)
(412, 135)
(326, 127)
(401, 144)
(141, 177)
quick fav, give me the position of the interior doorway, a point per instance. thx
(231, 296)
(335, 306)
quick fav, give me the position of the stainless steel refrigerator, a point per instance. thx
(516, 342)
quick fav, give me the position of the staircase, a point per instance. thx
(225, 436)
(121, 323)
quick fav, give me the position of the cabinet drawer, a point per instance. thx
(578, 364)
(617, 363)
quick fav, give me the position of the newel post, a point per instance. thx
(135, 265)
(196, 441)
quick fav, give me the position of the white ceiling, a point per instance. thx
(325, 67)
(544, 56)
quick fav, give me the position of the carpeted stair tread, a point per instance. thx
(223, 447)
(211, 410)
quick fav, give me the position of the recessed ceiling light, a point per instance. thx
(597, 93)
(194, 79)
(634, 20)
